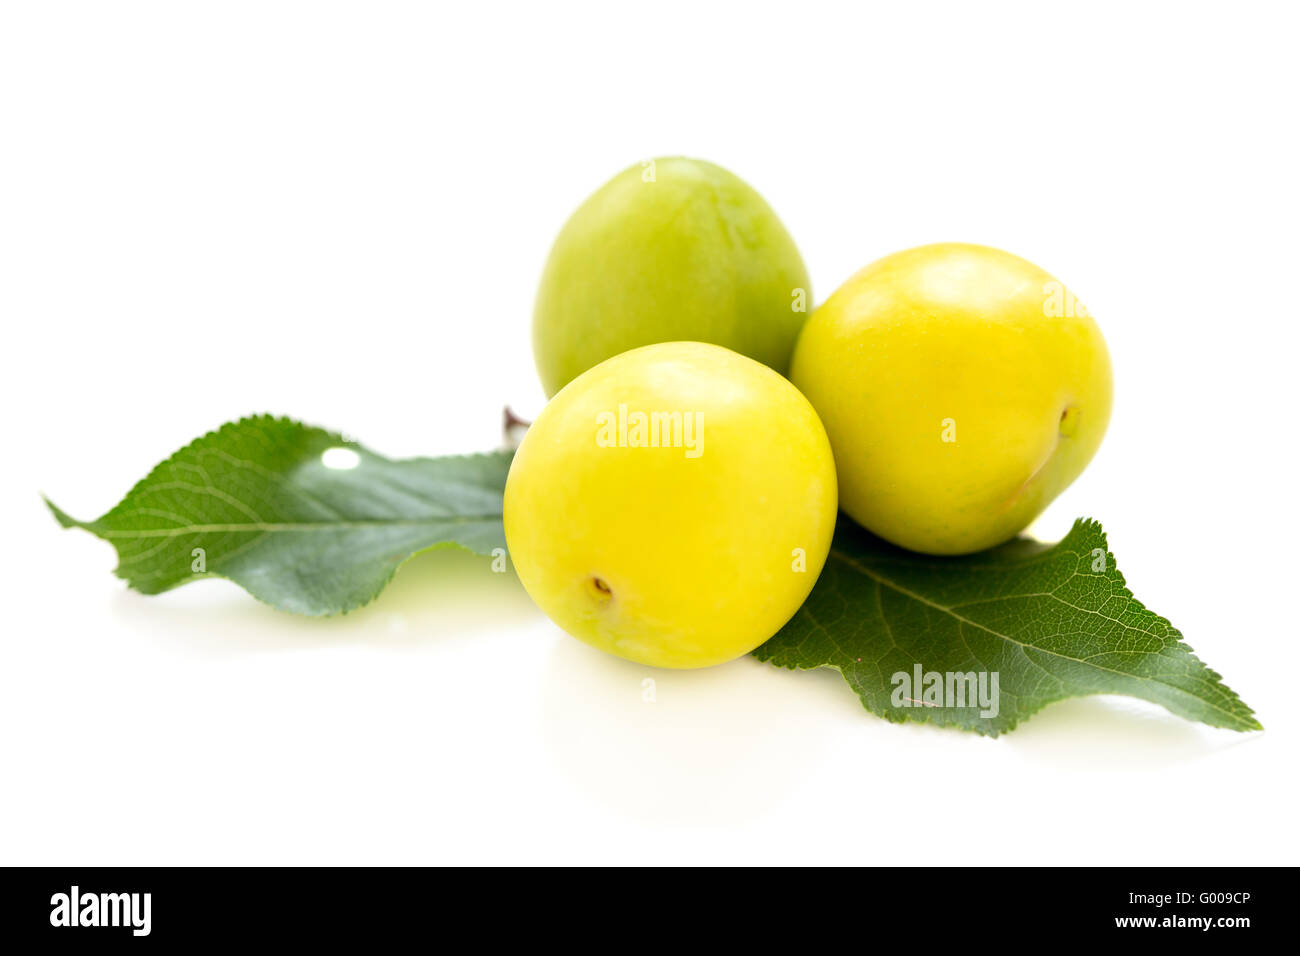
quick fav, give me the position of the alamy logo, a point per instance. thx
(101, 909)
(1058, 302)
(949, 689)
(651, 430)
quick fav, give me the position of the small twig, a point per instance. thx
(512, 427)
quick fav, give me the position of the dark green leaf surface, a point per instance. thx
(263, 509)
(1052, 621)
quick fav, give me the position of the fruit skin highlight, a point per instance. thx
(693, 255)
(673, 556)
(962, 388)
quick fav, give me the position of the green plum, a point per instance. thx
(671, 249)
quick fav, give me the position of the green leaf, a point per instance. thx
(256, 502)
(1051, 621)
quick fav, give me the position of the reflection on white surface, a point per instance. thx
(1117, 733)
(439, 595)
(702, 746)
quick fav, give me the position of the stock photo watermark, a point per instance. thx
(1060, 303)
(77, 908)
(946, 689)
(637, 429)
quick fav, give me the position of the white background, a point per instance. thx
(339, 212)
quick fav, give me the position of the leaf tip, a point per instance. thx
(64, 519)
